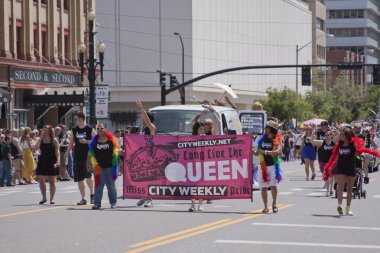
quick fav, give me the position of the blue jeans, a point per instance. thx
(6, 173)
(70, 164)
(105, 179)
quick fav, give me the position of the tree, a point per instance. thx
(286, 104)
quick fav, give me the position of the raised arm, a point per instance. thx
(145, 118)
(314, 141)
(227, 99)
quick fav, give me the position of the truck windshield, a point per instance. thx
(176, 122)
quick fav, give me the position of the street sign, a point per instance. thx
(101, 105)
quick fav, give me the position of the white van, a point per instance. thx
(176, 119)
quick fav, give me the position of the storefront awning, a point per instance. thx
(67, 99)
(5, 96)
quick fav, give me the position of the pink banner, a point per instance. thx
(186, 167)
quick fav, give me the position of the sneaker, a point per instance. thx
(348, 211)
(366, 180)
(113, 206)
(10, 185)
(43, 201)
(307, 179)
(209, 201)
(141, 202)
(96, 207)
(149, 203)
(340, 210)
(200, 207)
(92, 199)
(82, 202)
(192, 208)
(1, 185)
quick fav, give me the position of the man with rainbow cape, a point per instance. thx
(269, 150)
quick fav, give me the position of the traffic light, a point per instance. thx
(173, 81)
(376, 74)
(306, 76)
(162, 78)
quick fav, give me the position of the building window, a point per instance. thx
(19, 43)
(66, 4)
(44, 45)
(44, 2)
(320, 24)
(35, 43)
(321, 1)
(67, 50)
(59, 4)
(347, 32)
(338, 14)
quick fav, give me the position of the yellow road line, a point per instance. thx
(31, 211)
(41, 210)
(178, 233)
(228, 222)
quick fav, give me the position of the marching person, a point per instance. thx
(48, 162)
(198, 129)
(325, 148)
(148, 129)
(103, 154)
(309, 153)
(81, 137)
(343, 157)
(269, 152)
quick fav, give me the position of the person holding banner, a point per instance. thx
(149, 129)
(198, 129)
(269, 152)
(103, 154)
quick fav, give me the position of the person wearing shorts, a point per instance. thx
(81, 137)
(269, 151)
(325, 148)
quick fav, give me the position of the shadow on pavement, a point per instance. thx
(327, 216)
(137, 209)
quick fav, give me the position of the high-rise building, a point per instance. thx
(355, 26)
(217, 34)
(38, 55)
(318, 11)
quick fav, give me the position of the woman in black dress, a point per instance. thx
(48, 162)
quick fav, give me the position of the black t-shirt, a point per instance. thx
(81, 150)
(14, 151)
(346, 160)
(325, 152)
(286, 142)
(321, 135)
(146, 131)
(268, 145)
(103, 153)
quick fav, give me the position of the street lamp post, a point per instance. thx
(183, 68)
(91, 63)
(298, 49)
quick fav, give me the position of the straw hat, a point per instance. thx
(273, 124)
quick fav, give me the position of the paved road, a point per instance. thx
(307, 221)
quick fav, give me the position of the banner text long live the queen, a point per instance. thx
(185, 167)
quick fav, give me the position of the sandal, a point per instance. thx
(275, 209)
(312, 177)
(265, 210)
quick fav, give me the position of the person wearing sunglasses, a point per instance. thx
(48, 162)
(103, 154)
